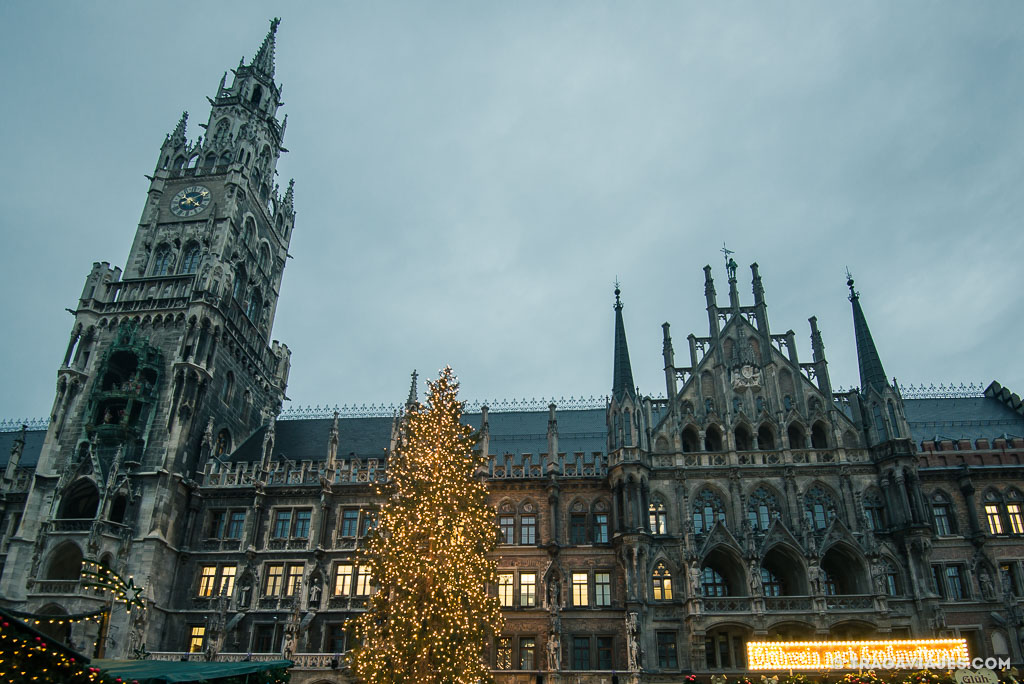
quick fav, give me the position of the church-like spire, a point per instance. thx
(264, 59)
(871, 372)
(413, 393)
(622, 382)
(177, 137)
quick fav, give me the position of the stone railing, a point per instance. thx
(850, 602)
(781, 604)
(727, 604)
(61, 586)
(774, 457)
(357, 470)
(578, 464)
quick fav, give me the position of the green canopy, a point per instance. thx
(157, 671)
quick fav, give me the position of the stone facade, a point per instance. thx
(641, 538)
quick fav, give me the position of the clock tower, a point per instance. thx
(170, 362)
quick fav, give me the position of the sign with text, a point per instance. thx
(912, 654)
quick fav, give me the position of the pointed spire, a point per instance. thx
(871, 372)
(264, 59)
(289, 194)
(413, 394)
(622, 375)
(177, 137)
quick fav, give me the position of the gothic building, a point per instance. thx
(641, 538)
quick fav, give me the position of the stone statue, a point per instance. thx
(288, 645)
(987, 588)
(695, 586)
(245, 592)
(632, 642)
(554, 654)
(814, 577)
(756, 586)
(314, 594)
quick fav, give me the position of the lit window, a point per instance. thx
(602, 589)
(207, 580)
(601, 528)
(662, 583)
(506, 588)
(528, 530)
(227, 580)
(196, 635)
(579, 589)
(343, 580)
(294, 580)
(508, 529)
(658, 519)
(995, 524)
(1013, 514)
(528, 589)
(363, 581)
(527, 653)
(275, 576)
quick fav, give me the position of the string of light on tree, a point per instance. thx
(25, 657)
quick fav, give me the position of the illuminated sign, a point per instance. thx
(913, 654)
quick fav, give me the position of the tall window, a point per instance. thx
(302, 519)
(503, 656)
(216, 529)
(343, 579)
(528, 530)
(506, 588)
(890, 579)
(349, 522)
(661, 581)
(874, 510)
(601, 528)
(707, 508)
(294, 580)
(190, 264)
(207, 579)
(578, 528)
(196, 636)
(579, 589)
(227, 580)
(1013, 516)
(274, 579)
(363, 581)
(762, 509)
(659, 521)
(771, 582)
(507, 523)
(604, 653)
(255, 305)
(581, 653)
(667, 651)
(602, 589)
(282, 524)
(235, 524)
(829, 582)
(819, 508)
(941, 515)
(335, 638)
(995, 524)
(162, 261)
(527, 653)
(528, 589)
(712, 583)
(955, 583)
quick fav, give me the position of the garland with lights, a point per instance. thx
(98, 575)
(37, 619)
(431, 616)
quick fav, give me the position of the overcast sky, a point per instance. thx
(472, 177)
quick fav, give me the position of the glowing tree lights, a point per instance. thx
(431, 615)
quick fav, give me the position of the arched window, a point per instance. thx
(993, 513)
(892, 418)
(257, 96)
(659, 521)
(712, 439)
(765, 437)
(707, 508)
(819, 436)
(190, 264)
(942, 515)
(883, 432)
(239, 289)
(661, 581)
(225, 159)
(874, 510)
(65, 562)
(819, 508)
(797, 438)
(1012, 508)
(223, 130)
(255, 305)
(162, 260)
(762, 508)
(210, 161)
(690, 440)
(744, 438)
(890, 579)
(712, 583)
(223, 444)
(229, 387)
(118, 509)
(249, 232)
(80, 501)
(759, 404)
(264, 258)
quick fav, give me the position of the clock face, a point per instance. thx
(190, 201)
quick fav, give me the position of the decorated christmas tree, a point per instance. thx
(431, 615)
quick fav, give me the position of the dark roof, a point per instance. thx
(622, 373)
(33, 446)
(159, 671)
(526, 432)
(308, 439)
(871, 372)
(970, 418)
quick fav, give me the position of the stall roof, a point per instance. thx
(156, 671)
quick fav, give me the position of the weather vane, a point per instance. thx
(730, 265)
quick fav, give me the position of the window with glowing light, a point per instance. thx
(1013, 516)
(528, 589)
(995, 525)
(294, 580)
(658, 517)
(343, 579)
(207, 579)
(274, 580)
(661, 581)
(363, 585)
(527, 653)
(580, 595)
(506, 588)
(196, 636)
